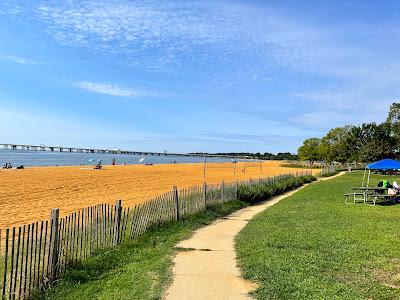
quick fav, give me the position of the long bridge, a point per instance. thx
(25, 147)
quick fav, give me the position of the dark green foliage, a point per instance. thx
(310, 150)
(393, 121)
(256, 193)
(366, 143)
(330, 174)
(301, 166)
(258, 155)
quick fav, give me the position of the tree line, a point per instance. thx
(258, 155)
(365, 143)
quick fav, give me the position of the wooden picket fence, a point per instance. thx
(34, 256)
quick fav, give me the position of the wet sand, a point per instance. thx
(28, 195)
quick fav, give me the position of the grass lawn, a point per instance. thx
(314, 246)
(139, 269)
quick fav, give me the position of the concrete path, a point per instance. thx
(206, 268)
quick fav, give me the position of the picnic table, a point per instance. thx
(367, 194)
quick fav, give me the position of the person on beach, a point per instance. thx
(7, 165)
(98, 166)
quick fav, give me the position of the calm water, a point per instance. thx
(31, 158)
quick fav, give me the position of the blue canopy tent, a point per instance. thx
(384, 164)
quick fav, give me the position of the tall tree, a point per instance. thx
(310, 150)
(377, 142)
(393, 121)
(334, 146)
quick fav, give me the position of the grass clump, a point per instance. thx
(314, 246)
(301, 166)
(329, 174)
(256, 193)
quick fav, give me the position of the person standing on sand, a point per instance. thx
(113, 162)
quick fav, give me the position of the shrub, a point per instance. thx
(330, 174)
(267, 189)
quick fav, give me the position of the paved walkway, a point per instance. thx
(205, 268)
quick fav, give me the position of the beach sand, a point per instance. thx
(28, 195)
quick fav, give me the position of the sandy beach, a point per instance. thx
(28, 195)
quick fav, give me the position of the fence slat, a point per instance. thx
(17, 262)
(35, 255)
(12, 263)
(5, 264)
(30, 260)
(40, 254)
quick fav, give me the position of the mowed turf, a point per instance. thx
(314, 246)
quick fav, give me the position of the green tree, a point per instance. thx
(335, 146)
(310, 150)
(354, 144)
(377, 142)
(393, 121)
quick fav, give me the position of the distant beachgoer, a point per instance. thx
(7, 165)
(98, 166)
(113, 162)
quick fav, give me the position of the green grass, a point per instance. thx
(139, 269)
(313, 246)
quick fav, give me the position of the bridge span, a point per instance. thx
(26, 147)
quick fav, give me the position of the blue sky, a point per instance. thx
(194, 75)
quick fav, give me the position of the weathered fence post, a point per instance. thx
(117, 225)
(176, 200)
(205, 194)
(222, 191)
(237, 189)
(53, 244)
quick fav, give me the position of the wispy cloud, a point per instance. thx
(18, 59)
(338, 106)
(161, 35)
(112, 89)
(167, 36)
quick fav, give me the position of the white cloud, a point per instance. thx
(339, 106)
(19, 60)
(161, 35)
(112, 89)
(167, 36)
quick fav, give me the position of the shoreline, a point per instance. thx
(139, 164)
